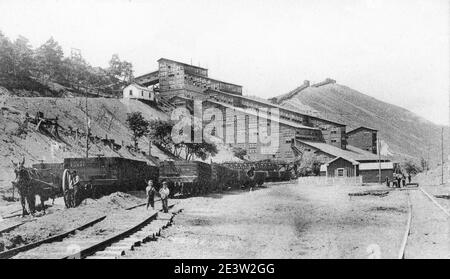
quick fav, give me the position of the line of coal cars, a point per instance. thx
(105, 175)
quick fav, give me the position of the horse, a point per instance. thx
(23, 183)
(29, 188)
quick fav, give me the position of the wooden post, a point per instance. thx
(379, 161)
(442, 156)
(87, 128)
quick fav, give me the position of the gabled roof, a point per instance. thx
(140, 87)
(361, 128)
(352, 153)
(348, 160)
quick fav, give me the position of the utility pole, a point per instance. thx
(87, 127)
(442, 156)
(379, 160)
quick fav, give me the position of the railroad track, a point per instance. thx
(117, 245)
(68, 244)
(402, 251)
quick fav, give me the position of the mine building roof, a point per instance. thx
(280, 120)
(275, 106)
(361, 128)
(350, 154)
(181, 63)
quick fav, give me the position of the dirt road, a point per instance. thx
(430, 227)
(285, 221)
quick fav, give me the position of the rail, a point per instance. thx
(401, 254)
(12, 252)
(91, 250)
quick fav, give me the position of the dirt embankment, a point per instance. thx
(285, 221)
(61, 220)
(108, 120)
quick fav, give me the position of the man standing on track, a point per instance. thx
(151, 191)
(164, 193)
(75, 189)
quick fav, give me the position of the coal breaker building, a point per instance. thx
(299, 134)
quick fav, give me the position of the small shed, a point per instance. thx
(136, 91)
(370, 171)
(340, 167)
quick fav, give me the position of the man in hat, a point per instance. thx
(75, 189)
(151, 191)
(164, 194)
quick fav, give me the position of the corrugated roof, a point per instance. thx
(352, 153)
(376, 166)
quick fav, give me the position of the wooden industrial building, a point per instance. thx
(370, 172)
(364, 138)
(299, 133)
(135, 91)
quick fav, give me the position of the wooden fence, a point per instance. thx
(330, 181)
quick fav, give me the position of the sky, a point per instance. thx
(396, 51)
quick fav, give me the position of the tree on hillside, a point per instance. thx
(138, 126)
(6, 56)
(309, 164)
(201, 150)
(24, 62)
(239, 152)
(19, 62)
(411, 167)
(49, 58)
(161, 134)
(121, 70)
(424, 164)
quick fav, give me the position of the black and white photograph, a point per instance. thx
(224, 130)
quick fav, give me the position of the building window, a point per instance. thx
(333, 140)
(142, 93)
(131, 92)
(340, 172)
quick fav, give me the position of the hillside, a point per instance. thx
(107, 121)
(403, 134)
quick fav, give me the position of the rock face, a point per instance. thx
(404, 133)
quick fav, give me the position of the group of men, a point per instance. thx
(163, 193)
(399, 180)
(72, 191)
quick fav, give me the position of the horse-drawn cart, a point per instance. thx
(98, 176)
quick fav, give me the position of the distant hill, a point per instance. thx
(403, 133)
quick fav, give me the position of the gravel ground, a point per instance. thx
(59, 220)
(429, 238)
(116, 222)
(285, 221)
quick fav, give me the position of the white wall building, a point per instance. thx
(135, 91)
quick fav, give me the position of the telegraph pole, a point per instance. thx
(87, 127)
(442, 156)
(379, 160)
